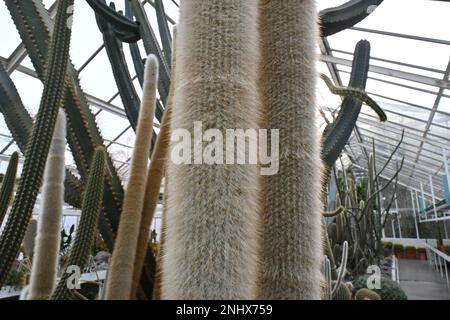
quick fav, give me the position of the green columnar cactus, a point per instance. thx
(87, 228)
(48, 239)
(120, 274)
(8, 182)
(366, 294)
(35, 28)
(39, 141)
(342, 292)
(212, 212)
(19, 123)
(292, 244)
(29, 238)
(336, 19)
(336, 136)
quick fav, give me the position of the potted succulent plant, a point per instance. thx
(447, 250)
(387, 248)
(422, 254)
(399, 250)
(410, 252)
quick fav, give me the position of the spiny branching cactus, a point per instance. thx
(48, 239)
(35, 28)
(87, 228)
(120, 274)
(7, 189)
(292, 251)
(354, 93)
(212, 210)
(39, 142)
(19, 123)
(337, 134)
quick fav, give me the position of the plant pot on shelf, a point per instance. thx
(399, 251)
(422, 254)
(410, 252)
(387, 248)
(446, 250)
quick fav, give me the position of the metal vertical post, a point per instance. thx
(398, 218)
(432, 196)
(423, 201)
(414, 215)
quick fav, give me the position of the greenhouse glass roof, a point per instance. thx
(408, 77)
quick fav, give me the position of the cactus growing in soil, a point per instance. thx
(7, 189)
(119, 285)
(39, 142)
(48, 239)
(87, 228)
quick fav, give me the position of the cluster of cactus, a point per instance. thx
(47, 43)
(361, 216)
(389, 289)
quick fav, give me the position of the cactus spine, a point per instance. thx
(87, 229)
(7, 188)
(39, 142)
(292, 249)
(154, 178)
(120, 275)
(45, 261)
(212, 212)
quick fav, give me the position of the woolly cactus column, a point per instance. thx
(211, 240)
(45, 261)
(155, 175)
(292, 245)
(120, 275)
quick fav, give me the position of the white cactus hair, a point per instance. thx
(212, 211)
(46, 252)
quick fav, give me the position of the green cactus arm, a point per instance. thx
(164, 32)
(121, 74)
(151, 46)
(87, 228)
(336, 19)
(19, 123)
(39, 141)
(337, 136)
(122, 25)
(356, 94)
(7, 189)
(35, 27)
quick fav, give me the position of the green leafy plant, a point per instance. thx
(389, 290)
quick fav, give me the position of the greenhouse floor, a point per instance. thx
(421, 282)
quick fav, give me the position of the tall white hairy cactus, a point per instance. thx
(212, 211)
(46, 251)
(292, 245)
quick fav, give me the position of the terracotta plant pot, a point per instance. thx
(422, 254)
(399, 251)
(411, 253)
